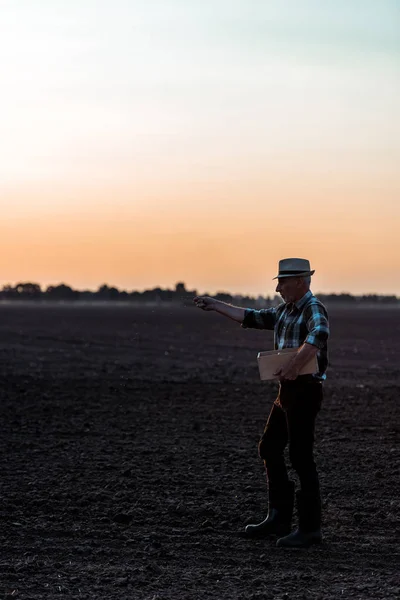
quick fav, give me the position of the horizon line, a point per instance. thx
(183, 290)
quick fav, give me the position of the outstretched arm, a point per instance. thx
(236, 313)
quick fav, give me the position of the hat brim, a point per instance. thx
(303, 274)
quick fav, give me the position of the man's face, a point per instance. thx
(289, 288)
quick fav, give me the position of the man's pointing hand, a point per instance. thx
(204, 302)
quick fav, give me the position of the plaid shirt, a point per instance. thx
(294, 324)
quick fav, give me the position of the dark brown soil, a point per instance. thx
(129, 463)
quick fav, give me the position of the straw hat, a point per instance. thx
(294, 267)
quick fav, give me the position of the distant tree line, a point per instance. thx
(105, 293)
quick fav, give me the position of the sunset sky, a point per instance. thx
(147, 142)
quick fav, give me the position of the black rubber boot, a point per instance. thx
(309, 530)
(279, 519)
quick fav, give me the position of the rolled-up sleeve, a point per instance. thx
(259, 319)
(317, 326)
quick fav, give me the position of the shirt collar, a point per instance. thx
(299, 304)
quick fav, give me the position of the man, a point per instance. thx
(301, 321)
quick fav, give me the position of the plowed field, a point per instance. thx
(129, 466)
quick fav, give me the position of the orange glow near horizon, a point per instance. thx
(213, 239)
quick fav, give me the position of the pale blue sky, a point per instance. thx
(116, 80)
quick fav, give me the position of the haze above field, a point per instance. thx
(145, 143)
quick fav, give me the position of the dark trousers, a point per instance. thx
(292, 420)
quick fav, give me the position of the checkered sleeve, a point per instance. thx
(317, 326)
(259, 319)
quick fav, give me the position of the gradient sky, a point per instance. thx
(149, 142)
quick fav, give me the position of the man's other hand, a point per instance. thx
(289, 372)
(204, 302)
